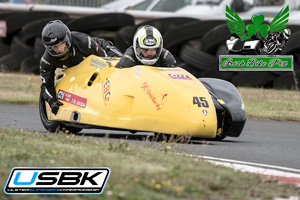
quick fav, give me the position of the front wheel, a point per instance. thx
(53, 126)
(49, 125)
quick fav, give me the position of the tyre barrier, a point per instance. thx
(168, 23)
(15, 21)
(108, 21)
(30, 65)
(4, 49)
(289, 80)
(197, 58)
(195, 44)
(20, 49)
(34, 29)
(9, 63)
(174, 38)
(124, 37)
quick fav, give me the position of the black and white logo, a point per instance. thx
(150, 42)
(53, 40)
(57, 180)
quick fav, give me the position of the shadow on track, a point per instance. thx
(156, 138)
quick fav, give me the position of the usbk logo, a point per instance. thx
(54, 180)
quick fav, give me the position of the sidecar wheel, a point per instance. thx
(220, 137)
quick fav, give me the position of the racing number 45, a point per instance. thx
(200, 101)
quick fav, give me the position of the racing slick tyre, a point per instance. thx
(53, 126)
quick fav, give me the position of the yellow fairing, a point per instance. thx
(142, 98)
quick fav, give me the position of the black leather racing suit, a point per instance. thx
(129, 59)
(82, 46)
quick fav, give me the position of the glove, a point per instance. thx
(54, 104)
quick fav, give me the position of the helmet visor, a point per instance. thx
(52, 45)
(149, 53)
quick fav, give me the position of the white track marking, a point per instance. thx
(284, 174)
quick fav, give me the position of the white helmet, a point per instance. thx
(147, 37)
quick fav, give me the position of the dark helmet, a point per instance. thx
(54, 33)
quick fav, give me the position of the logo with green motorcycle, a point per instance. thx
(257, 45)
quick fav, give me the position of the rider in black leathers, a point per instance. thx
(147, 49)
(75, 48)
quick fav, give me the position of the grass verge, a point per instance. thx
(150, 171)
(270, 104)
(267, 104)
(19, 88)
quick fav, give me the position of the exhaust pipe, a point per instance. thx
(75, 116)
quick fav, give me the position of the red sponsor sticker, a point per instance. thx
(180, 76)
(71, 98)
(3, 28)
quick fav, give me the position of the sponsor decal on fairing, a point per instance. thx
(180, 76)
(97, 63)
(71, 98)
(158, 104)
(106, 90)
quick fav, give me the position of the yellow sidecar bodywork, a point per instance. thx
(140, 98)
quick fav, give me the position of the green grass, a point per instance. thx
(19, 88)
(146, 171)
(282, 105)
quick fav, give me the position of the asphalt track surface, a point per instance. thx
(263, 142)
